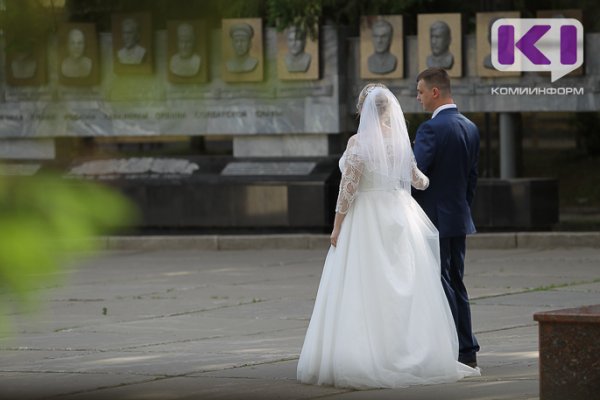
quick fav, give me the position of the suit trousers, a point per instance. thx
(452, 254)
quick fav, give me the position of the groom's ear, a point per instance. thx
(435, 92)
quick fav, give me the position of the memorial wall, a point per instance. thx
(282, 97)
(245, 79)
(182, 81)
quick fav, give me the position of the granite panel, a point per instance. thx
(522, 202)
(299, 195)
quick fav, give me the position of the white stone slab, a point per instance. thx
(27, 149)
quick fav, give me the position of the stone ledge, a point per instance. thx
(541, 240)
(162, 243)
(549, 240)
(262, 242)
(320, 242)
(492, 241)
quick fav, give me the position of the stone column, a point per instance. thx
(508, 144)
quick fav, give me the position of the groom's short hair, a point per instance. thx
(436, 77)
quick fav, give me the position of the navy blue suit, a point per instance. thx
(447, 151)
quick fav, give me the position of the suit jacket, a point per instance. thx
(447, 151)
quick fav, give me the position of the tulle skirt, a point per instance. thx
(381, 318)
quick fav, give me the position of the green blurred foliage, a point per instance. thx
(303, 14)
(25, 15)
(46, 220)
(26, 24)
(242, 8)
(211, 11)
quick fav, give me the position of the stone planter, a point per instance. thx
(569, 345)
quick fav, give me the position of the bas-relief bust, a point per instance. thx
(131, 52)
(296, 60)
(440, 38)
(185, 67)
(133, 55)
(185, 62)
(382, 61)
(487, 61)
(23, 66)
(76, 64)
(241, 39)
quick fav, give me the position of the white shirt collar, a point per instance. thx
(442, 107)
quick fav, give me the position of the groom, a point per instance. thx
(447, 151)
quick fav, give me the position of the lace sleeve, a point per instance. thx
(352, 167)
(419, 180)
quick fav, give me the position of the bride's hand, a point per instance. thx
(334, 237)
(337, 225)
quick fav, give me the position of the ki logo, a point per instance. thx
(537, 44)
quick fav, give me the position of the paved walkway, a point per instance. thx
(170, 324)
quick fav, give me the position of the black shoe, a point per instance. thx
(470, 361)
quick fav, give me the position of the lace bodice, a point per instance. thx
(355, 178)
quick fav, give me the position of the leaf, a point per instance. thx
(46, 221)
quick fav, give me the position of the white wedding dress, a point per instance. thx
(381, 318)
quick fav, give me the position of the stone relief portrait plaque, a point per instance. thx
(132, 43)
(242, 50)
(440, 42)
(187, 60)
(78, 55)
(26, 63)
(381, 47)
(484, 57)
(297, 55)
(568, 13)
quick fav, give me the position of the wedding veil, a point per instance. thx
(382, 138)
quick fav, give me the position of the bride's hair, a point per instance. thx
(382, 104)
(364, 92)
(382, 142)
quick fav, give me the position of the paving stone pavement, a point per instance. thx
(177, 324)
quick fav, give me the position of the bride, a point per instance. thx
(381, 318)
